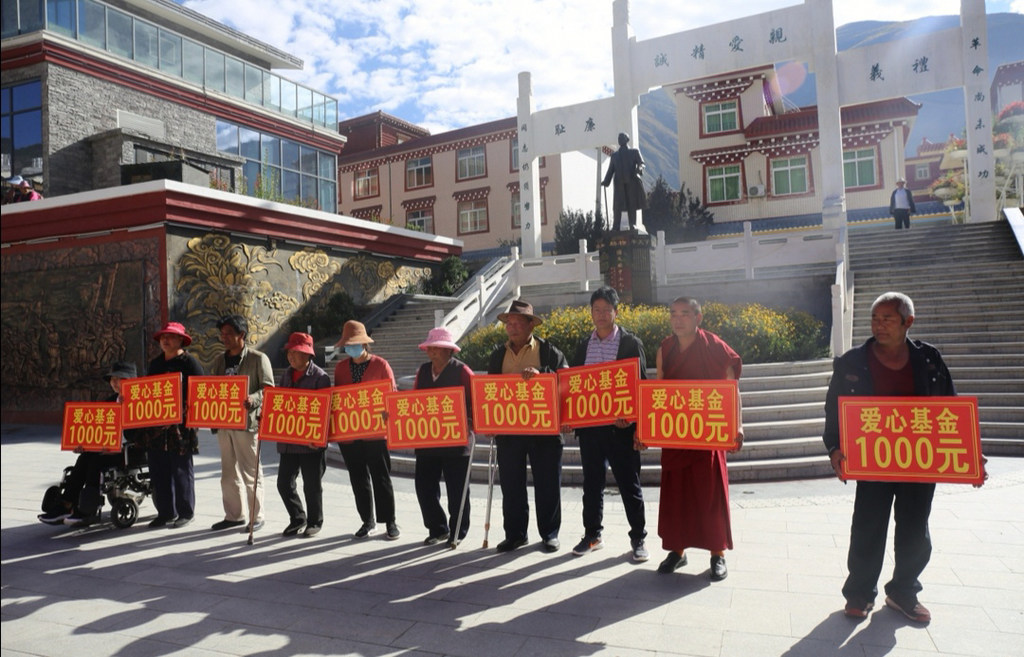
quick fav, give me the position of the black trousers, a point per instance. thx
(174, 486)
(369, 469)
(902, 218)
(912, 543)
(599, 448)
(545, 456)
(312, 466)
(452, 464)
(86, 472)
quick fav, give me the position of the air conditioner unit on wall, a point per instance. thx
(755, 190)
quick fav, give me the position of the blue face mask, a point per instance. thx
(354, 350)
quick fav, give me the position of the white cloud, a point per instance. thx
(451, 64)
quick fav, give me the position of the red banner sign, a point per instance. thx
(507, 404)
(91, 427)
(687, 414)
(595, 395)
(151, 401)
(357, 411)
(295, 415)
(435, 417)
(924, 439)
(217, 402)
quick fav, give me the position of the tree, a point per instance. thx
(682, 215)
(695, 219)
(574, 226)
(661, 211)
(448, 278)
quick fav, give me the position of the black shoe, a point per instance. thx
(718, 569)
(588, 544)
(510, 544)
(367, 529)
(181, 522)
(293, 528)
(393, 532)
(551, 545)
(673, 562)
(160, 522)
(226, 524)
(434, 539)
(311, 531)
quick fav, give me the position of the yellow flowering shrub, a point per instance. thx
(758, 334)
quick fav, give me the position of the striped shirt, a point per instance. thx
(603, 351)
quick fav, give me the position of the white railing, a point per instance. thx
(479, 300)
(577, 268)
(746, 254)
(842, 299)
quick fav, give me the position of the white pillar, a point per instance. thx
(980, 164)
(830, 134)
(626, 98)
(529, 176)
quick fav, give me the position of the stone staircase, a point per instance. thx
(967, 283)
(398, 337)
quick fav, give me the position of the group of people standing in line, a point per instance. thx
(694, 509)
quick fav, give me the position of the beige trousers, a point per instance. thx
(238, 474)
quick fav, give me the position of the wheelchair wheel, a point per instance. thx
(124, 512)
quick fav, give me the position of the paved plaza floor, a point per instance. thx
(189, 591)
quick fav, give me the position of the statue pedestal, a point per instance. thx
(625, 263)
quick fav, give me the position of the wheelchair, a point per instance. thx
(124, 485)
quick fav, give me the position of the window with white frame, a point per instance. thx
(789, 176)
(721, 117)
(514, 154)
(922, 172)
(419, 172)
(472, 163)
(517, 211)
(367, 183)
(420, 220)
(859, 168)
(724, 183)
(473, 216)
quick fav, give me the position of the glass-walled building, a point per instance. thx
(92, 86)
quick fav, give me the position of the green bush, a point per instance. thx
(326, 318)
(758, 334)
(448, 278)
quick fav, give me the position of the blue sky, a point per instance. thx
(446, 64)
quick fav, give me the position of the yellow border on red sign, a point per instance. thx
(275, 424)
(71, 408)
(657, 427)
(376, 411)
(417, 428)
(601, 410)
(128, 385)
(239, 383)
(892, 439)
(524, 422)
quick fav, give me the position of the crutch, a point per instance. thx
(490, 490)
(255, 486)
(454, 540)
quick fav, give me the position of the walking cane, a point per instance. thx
(454, 540)
(490, 490)
(255, 485)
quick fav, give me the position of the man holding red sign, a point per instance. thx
(888, 364)
(527, 355)
(695, 483)
(241, 475)
(612, 444)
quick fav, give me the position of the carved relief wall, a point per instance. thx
(215, 274)
(68, 313)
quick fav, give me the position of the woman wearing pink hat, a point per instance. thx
(171, 447)
(367, 461)
(302, 373)
(443, 371)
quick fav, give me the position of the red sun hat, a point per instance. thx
(301, 342)
(174, 328)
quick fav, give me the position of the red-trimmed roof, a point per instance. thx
(806, 119)
(434, 143)
(168, 202)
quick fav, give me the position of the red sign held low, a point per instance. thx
(91, 427)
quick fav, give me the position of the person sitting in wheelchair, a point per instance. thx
(78, 500)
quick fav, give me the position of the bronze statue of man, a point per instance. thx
(626, 168)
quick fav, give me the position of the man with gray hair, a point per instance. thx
(888, 364)
(241, 476)
(901, 205)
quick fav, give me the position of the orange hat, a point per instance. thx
(353, 333)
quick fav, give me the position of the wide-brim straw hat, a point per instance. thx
(440, 337)
(520, 307)
(353, 333)
(174, 328)
(301, 342)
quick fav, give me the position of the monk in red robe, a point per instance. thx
(694, 510)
